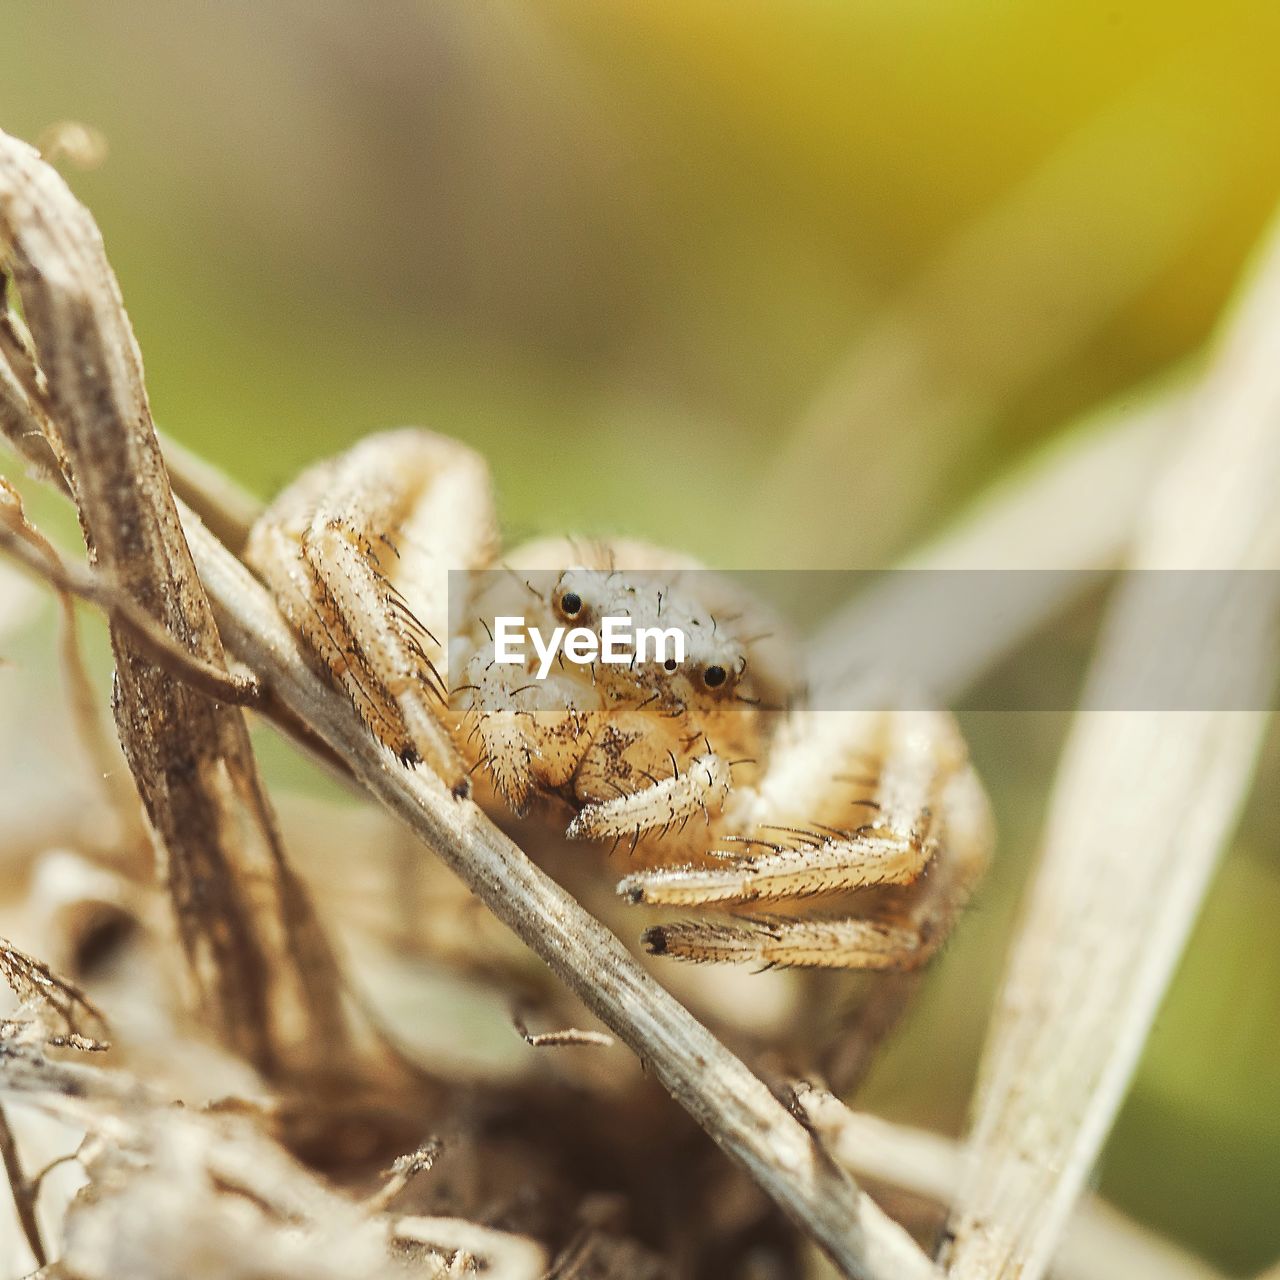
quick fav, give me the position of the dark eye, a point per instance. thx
(670, 664)
(714, 677)
(571, 604)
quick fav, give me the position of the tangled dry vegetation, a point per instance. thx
(248, 1102)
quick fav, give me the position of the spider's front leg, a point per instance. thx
(357, 552)
(657, 803)
(850, 801)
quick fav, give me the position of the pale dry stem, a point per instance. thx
(1099, 1244)
(24, 1193)
(1142, 807)
(257, 956)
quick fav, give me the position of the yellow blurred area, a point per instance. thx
(632, 242)
(780, 282)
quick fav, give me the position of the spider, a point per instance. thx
(806, 837)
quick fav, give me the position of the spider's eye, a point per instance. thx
(670, 664)
(714, 677)
(571, 604)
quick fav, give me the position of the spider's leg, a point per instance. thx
(323, 625)
(847, 802)
(779, 943)
(699, 788)
(902, 933)
(390, 660)
(358, 552)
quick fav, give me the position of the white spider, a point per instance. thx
(876, 813)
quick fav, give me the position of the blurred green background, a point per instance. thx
(781, 282)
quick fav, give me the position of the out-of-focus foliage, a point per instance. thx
(624, 245)
(780, 282)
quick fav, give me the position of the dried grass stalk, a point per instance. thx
(1100, 1242)
(28, 546)
(175, 1191)
(260, 963)
(228, 509)
(63, 1016)
(24, 1190)
(1142, 807)
(57, 1014)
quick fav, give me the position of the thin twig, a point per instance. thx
(226, 507)
(563, 1038)
(510, 1256)
(24, 1192)
(403, 1172)
(258, 957)
(27, 544)
(28, 547)
(67, 1086)
(1100, 1243)
(61, 1010)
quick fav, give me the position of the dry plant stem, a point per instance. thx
(24, 1192)
(57, 1006)
(734, 1107)
(214, 494)
(27, 1072)
(562, 1038)
(510, 1256)
(172, 1185)
(402, 1172)
(1142, 806)
(226, 508)
(260, 963)
(25, 544)
(1100, 1244)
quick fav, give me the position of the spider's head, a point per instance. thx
(710, 661)
(704, 667)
